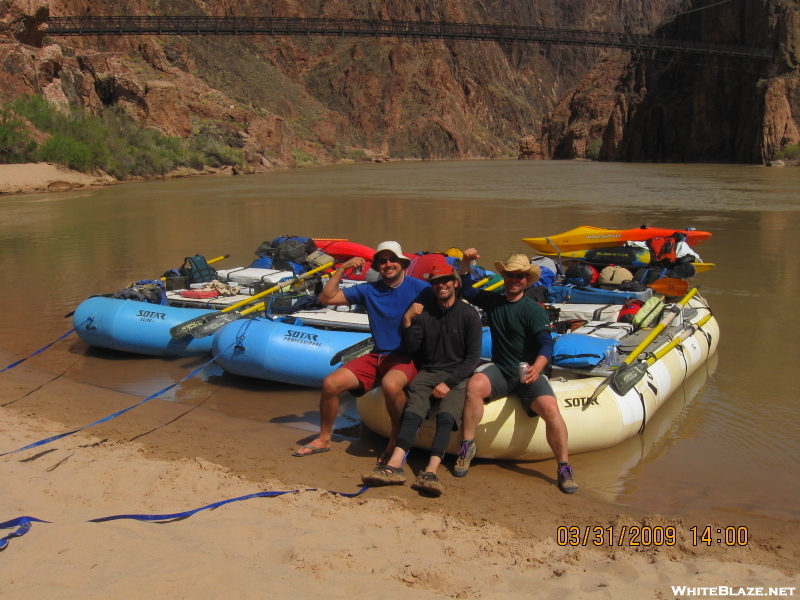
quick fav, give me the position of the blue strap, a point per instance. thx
(43, 348)
(111, 416)
(23, 524)
(189, 513)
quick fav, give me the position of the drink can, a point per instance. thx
(523, 370)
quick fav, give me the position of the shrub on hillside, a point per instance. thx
(789, 152)
(16, 146)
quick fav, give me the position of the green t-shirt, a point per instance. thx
(514, 326)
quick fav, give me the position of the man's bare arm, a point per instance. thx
(331, 294)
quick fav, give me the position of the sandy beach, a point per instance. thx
(482, 539)
(31, 178)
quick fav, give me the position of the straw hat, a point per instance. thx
(395, 249)
(520, 263)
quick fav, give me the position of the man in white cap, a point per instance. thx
(385, 301)
(520, 333)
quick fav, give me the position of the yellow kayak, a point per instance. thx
(587, 237)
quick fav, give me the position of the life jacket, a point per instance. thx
(197, 269)
(663, 249)
(629, 310)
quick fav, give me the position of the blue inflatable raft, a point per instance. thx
(290, 353)
(137, 327)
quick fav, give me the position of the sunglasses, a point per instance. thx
(514, 275)
(383, 260)
(442, 280)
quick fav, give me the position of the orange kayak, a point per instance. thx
(587, 237)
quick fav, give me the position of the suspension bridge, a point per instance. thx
(275, 26)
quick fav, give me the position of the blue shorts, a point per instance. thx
(527, 392)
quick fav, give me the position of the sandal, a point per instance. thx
(384, 475)
(428, 483)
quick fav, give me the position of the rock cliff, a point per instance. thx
(677, 107)
(323, 99)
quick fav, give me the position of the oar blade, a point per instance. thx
(669, 286)
(185, 329)
(358, 349)
(625, 379)
(214, 325)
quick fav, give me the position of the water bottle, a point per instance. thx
(612, 357)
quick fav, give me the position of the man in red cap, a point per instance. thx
(385, 301)
(444, 334)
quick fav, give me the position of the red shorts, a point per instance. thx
(371, 368)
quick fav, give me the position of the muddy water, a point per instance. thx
(727, 439)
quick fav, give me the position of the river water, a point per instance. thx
(727, 439)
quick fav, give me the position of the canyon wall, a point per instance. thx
(676, 107)
(289, 98)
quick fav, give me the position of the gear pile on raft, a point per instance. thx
(629, 326)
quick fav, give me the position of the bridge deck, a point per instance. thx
(202, 25)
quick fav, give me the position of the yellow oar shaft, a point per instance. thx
(678, 340)
(494, 286)
(275, 288)
(659, 328)
(483, 281)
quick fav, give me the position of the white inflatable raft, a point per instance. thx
(506, 431)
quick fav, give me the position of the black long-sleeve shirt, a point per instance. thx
(446, 340)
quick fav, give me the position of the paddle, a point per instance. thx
(628, 378)
(668, 286)
(183, 329)
(358, 349)
(626, 364)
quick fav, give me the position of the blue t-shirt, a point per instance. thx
(386, 307)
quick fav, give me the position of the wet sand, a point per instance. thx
(492, 534)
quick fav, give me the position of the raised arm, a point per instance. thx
(331, 294)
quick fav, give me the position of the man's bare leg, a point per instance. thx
(555, 428)
(478, 388)
(341, 380)
(394, 393)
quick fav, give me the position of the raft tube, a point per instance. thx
(507, 432)
(288, 352)
(138, 327)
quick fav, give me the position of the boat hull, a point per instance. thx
(289, 353)
(137, 327)
(278, 351)
(506, 431)
(586, 238)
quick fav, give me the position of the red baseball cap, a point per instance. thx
(440, 270)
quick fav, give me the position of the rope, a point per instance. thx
(43, 348)
(23, 524)
(114, 415)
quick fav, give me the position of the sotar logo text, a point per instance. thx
(301, 335)
(580, 402)
(149, 314)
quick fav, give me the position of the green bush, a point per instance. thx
(16, 146)
(789, 152)
(301, 159)
(593, 149)
(114, 142)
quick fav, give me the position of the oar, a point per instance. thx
(668, 286)
(494, 286)
(624, 381)
(626, 364)
(358, 349)
(184, 329)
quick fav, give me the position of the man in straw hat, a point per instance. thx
(520, 333)
(445, 336)
(385, 301)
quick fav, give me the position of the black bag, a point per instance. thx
(632, 286)
(197, 269)
(582, 274)
(292, 250)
